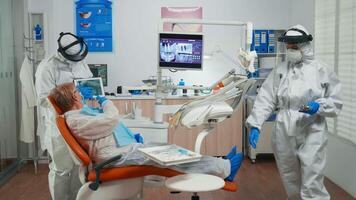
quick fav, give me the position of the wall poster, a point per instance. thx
(94, 24)
(182, 13)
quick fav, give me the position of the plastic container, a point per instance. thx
(181, 82)
(38, 32)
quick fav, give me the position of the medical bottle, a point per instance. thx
(38, 32)
(181, 82)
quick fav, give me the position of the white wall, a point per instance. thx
(341, 163)
(302, 12)
(135, 24)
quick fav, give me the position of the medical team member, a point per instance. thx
(303, 91)
(62, 67)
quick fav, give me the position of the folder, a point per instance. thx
(271, 41)
(256, 41)
(260, 41)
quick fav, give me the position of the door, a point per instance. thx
(8, 97)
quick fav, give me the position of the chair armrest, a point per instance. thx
(95, 185)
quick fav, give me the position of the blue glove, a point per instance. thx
(86, 92)
(139, 138)
(311, 108)
(254, 135)
(101, 99)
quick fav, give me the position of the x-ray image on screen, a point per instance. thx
(95, 83)
(180, 51)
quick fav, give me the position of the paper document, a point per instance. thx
(170, 154)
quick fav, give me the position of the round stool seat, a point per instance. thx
(194, 183)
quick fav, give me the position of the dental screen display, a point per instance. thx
(181, 51)
(96, 84)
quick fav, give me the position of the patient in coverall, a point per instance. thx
(97, 133)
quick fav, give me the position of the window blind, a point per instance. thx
(346, 122)
(335, 43)
(325, 26)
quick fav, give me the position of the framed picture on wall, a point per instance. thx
(182, 13)
(100, 70)
(94, 24)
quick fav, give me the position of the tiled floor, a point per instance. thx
(258, 181)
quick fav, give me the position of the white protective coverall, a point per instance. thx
(95, 133)
(299, 139)
(63, 176)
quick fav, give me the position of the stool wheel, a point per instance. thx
(195, 196)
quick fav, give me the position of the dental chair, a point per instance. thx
(211, 110)
(208, 112)
(102, 181)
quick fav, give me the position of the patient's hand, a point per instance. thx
(101, 100)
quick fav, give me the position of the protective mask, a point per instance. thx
(294, 56)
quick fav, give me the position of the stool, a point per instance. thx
(194, 183)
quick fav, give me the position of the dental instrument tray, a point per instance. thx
(170, 154)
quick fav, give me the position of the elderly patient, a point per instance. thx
(95, 132)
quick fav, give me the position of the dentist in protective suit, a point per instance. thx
(63, 66)
(303, 91)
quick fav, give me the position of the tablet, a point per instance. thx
(95, 83)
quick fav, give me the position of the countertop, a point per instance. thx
(149, 97)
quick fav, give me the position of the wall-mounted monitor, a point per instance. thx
(181, 51)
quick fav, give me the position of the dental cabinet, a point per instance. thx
(264, 143)
(226, 134)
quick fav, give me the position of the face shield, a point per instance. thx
(280, 53)
(288, 45)
(72, 47)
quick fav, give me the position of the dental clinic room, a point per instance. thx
(177, 99)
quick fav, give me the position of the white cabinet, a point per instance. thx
(151, 132)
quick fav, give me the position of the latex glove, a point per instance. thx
(253, 138)
(101, 100)
(311, 108)
(86, 92)
(139, 138)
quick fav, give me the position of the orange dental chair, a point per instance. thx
(103, 182)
